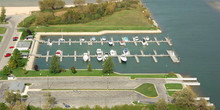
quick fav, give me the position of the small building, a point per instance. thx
(24, 55)
(29, 37)
(17, 86)
(23, 45)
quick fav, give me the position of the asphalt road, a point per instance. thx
(7, 38)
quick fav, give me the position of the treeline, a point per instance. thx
(81, 13)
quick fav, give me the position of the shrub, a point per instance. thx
(36, 68)
(63, 70)
(171, 74)
(73, 70)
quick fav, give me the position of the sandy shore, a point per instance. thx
(24, 10)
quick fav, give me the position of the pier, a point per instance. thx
(136, 56)
(173, 56)
(90, 42)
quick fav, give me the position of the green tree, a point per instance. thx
(3, 16)
(11, 98)
(55, 65)
(19, 106)
(171, 74)
(50, 101)
(108, 66)
(3, 106)
(202, 105)
(110, 8)
(89, 67)
(161, 104)
(184, 98)
(16, 55)
(12, 63)
(45, 18)
(6, 70)
(73, 70)
(51, 4)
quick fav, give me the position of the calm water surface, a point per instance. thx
(194, 28)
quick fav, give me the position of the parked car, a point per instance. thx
(7, 54)
(15, 38)
(11, 47)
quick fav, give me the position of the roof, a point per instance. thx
(29, 36)
(24, 54)
(23, 44)
(17, 86)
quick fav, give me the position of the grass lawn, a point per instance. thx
(2, 30)
(147, 89)
(171, 93)
(122, 20)
(173, 86)
(1, 38)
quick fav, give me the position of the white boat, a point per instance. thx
(99, 57)
(112, 52)
(104, 38)
(58, 53)
(110, 42)
(61, 39)
(98, 51)
(122, 42)
(93, 39)
(136, 38)
(85, 57)
(82, 39)
(147, 38)
(106, 55)
(123, 58)
(144, 42)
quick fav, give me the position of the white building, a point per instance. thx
(23, 45)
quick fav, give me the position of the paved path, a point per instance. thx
(7, 38)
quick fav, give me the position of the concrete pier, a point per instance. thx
(142, 53)
(173, 56)
(119, 59)
(155, 59)
(168, 41)
(47, 57)
(70, 42)
(75, 56)
(137, 59)
(113, 43)
(158, 43)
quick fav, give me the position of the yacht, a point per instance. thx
(123, 58)
(106, 55)
(104, 38)
(144, 42)
(125, 51)
(98, 51)
(61, 39)
(99, 57)
(85, 56)
(110, 42)
(58, 53)
(112, 52)
(122, 42)
(93, 39)
(82, 39)
(136, 38)
(147, 38)
(125, 39)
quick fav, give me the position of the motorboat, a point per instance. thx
(85, 57)
(136, 38)
(61, 39)
(122, 42)
(123, 58)
(106, 54)
(110, 42)
(112, 52)
(104, 38)
(98, 51)
(99, 57)
(82, 39)
(125, 39)
(144, 42)
(58, 53)
(93, 39)
(147, 38)
(125, 51)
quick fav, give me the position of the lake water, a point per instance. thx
(193, 26)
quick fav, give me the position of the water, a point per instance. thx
(193, 26)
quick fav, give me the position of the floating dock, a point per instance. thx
(173, 56)
(136, 56)
(90, 42)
